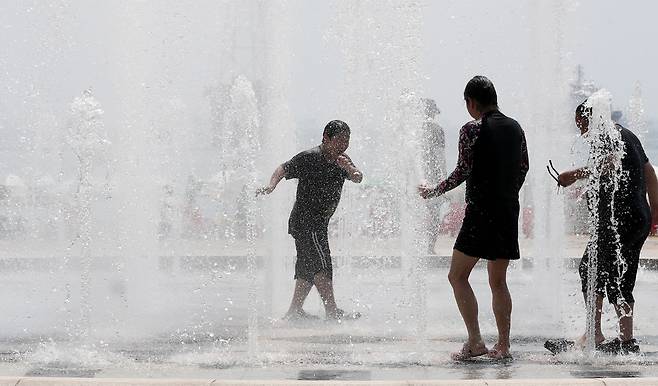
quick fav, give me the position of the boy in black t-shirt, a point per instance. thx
(321, 172)
(633, 216)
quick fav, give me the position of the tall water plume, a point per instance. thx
(243, 146)
(87, 139)
(547, 131)
(381, 46)
(636, 120)
(605, 175)
(279, 144)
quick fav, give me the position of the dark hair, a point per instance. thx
(583, 110)
(482, 91)
(336, 127)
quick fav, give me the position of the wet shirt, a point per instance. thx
(318, 190)
(624, 216)
(631, 207)
(502, 159)
(493, 160)
(500, 163)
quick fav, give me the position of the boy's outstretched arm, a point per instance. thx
(277, 176)
(346, 163)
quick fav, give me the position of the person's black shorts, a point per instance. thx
(489, 234)
(615, 277)
(313, 255)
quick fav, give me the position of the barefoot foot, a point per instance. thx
(500, 351)
(296, 315)
(469, 351)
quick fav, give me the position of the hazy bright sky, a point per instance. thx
(613, 41)
(51, 51)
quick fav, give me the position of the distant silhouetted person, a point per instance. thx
(321, 172)
(434, 166)
(493, 160)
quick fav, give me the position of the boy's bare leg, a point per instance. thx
(502, 304)
(325, 287)
(302, 288)
(598, 334)
(460, 269)
(625, 314)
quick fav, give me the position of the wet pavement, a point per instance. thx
(192, 323)
(309, 355)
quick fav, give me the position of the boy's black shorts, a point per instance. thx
(616, 278)
(313, 255)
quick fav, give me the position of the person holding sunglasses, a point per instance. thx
(628, 208)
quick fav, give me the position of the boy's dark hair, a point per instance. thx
(482, 91)
(336, 127)
(583, 110)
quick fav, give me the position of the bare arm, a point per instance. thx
(652, 190)
(277, 176)
(570, 176)
(467, 136)
(346, 163)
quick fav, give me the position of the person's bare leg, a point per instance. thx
(460, 270)
(598, 334)
(625, 315)
(302, 288)
(325, 287)
(502, 305)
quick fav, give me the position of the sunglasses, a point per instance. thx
(553, 173)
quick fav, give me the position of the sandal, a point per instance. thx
(342, 315)
(300, 315)
(468, 353)
(616, 346)
(557, 346)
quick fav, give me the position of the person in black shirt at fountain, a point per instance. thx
(321, 172)
(493, 160)
(633, 215)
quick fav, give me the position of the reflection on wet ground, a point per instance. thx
(605, 373)
(336, 356)
(60, 369)
(333, 375)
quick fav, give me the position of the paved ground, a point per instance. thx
(196, 327)
(187, 316)
(308, 354)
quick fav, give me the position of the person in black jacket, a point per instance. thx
(493, 160)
